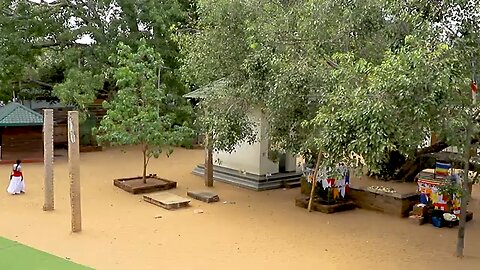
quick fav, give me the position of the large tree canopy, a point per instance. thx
(64, 45)
(373, 78)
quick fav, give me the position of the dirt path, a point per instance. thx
(262, 230)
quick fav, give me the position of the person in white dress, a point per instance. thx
(17, 184)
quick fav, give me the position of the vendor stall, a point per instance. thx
(440, 197)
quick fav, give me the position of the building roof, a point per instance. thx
(16, 115)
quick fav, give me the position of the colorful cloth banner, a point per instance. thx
(429, 193)
(441, 169)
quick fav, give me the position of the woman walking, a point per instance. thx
(17, 185)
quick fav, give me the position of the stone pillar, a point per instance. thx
(74, 170)
(49, 203)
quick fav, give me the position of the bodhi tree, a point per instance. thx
(143, 111)
(348, 81)
(370, 77)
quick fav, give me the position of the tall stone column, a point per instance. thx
(74, 170)
(49, 203)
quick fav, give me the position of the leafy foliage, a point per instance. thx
(357, 80)
(64, 45)
(226, 119)
(141, 113)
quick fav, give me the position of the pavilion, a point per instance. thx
(21, 134)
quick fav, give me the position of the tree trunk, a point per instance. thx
(209, 168)
(144, 174)
(314, 182)
(208, 174)
(399, 168)
(465, 197)
(409, 170)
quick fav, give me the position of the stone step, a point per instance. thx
(250, 181)
(204, 196)
(166, 200)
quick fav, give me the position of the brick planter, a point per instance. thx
(302, 201)
(135, 185)
(389, 203)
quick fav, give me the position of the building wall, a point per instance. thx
(266, 165)
(21, 143)
(253, 158)
(291, 163)
(245, 157)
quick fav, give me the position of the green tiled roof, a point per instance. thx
(15, 114)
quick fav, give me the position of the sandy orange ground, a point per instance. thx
(262, 230)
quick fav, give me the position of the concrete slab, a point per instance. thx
(166, 200)
(204, 196)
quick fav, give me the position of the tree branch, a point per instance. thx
(436, 147)
(58, 44)
(39, 83)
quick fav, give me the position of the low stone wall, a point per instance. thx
(389, 203)
(396, 204)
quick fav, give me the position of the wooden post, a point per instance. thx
(208, 173)
(314, 182)
(74, 170)
(49, 203)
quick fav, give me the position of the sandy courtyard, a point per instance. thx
(262, 230)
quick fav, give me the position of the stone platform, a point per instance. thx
(397, 204)
(251, 181)
(204, 196)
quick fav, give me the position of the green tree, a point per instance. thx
(363, 82)
(60, 48)
(142, 112)
(368, 78)
(223, 120)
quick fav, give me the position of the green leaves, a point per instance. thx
(79, 88)
(355, 79)
(39, 44)
(140, 113)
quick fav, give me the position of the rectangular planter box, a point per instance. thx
(302, 202)
(389, 203)
(135, 185)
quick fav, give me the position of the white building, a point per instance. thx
(249, 165)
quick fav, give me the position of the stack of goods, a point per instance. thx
(429, 194)
(450, 219)
(419, 214)
(441, 219)
(440, 197)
